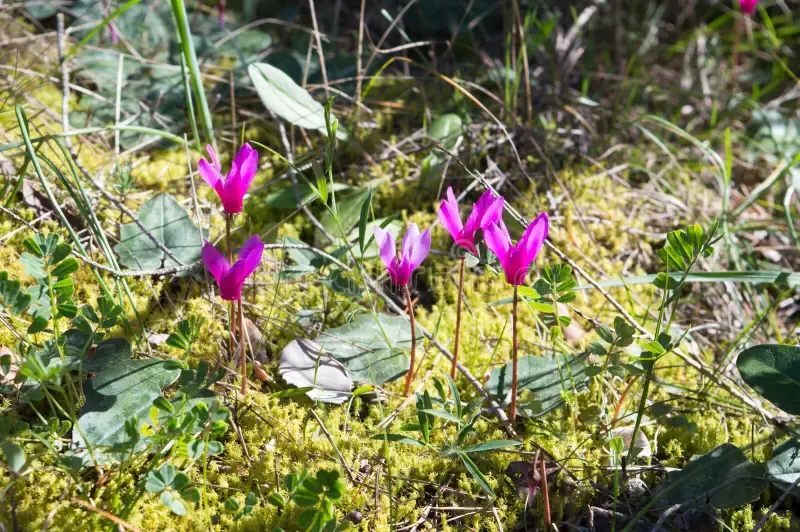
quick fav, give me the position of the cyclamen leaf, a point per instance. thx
(171, 225)
(774, 372)
(280, 94)
(121, 389)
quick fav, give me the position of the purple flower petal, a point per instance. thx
(420, 249)
(251, 252)
(247, 162)
(214, 159)
(494, 213)
(214, 261)
(533, 237)
(411, 236)
(478, 211)
(230, 191)
(385, 242)
(498, 241)
(526, 250)
(449, 215)
(748, 6)
(230, 286)
(209, 174)
(400, 273)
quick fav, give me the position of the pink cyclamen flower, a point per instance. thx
(748, 6)
(413, 251)
(233, 187)
(488, 210)
(517, 259)
(230, 279)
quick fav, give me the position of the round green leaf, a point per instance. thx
(774, 372)
(191, 494)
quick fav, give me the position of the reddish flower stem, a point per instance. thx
(737, 38)
(243, 348)
(232, 310)
(410, 374)
(545, 495)
(458, 318)
(512, 414)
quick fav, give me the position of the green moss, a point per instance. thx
(278, 436)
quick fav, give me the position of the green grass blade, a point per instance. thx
(105, 22)
(187, 46)
(91, 130)
(789, 279)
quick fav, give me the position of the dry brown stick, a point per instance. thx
(385, 422)
(775, 506)
(319, 47)
(233, 116)
(109, 516)
(525, 65)
(62, 38)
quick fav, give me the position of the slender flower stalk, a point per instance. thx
(413, 251)
(516, 260)
(545, 494)
(410, 374)
(232, 310)
(748, 7)
(242, 347)
(231, 278)
(487, 210)
(514, 357)
(462, 263)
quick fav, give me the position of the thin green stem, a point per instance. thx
(90, 130)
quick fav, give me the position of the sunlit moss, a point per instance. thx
(279, 435)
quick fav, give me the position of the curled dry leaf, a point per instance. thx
(642, 444)
(304, 363)
(573, 333)
(157, 338)
(8, 378)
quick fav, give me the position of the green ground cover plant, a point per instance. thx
(399, 266)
